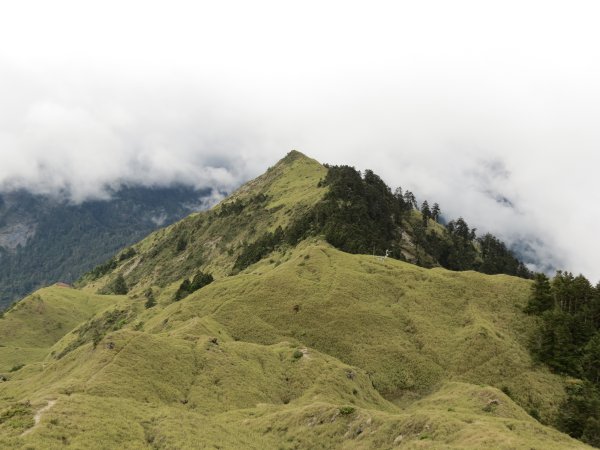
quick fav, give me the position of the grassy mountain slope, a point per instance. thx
(310, 347)
(318, 349)
(213, 239)
(32, 326)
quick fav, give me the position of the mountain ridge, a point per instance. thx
(302, 345)
(295, 199)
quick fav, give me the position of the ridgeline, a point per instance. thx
(275, 320)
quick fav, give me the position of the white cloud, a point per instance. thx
(463, 102)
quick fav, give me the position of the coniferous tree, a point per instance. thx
(541, 298)
(591, 359)
(435, 212)
(426, 212)
(411, 200)
(118, 286)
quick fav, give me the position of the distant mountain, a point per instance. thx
(44, 240)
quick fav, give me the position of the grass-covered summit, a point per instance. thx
(213, 240)
(296, 199)
(299, 346)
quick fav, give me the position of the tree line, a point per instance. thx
(568, 341)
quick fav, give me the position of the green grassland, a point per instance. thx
(310, 348)
(32, 326)
(317, 349)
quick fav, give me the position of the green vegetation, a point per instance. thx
(102, 269)
(32, 326)
(254, 252)
(227, 238)
(16, 417)
(200, 280)
(294, 343)
(391, 353)
(568, 341)
(95, 329)
(360, 214)
(347, 410)
(150, 299)
(117, 286)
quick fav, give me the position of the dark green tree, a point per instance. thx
(591, 359)
(181, 244)
(184, 290)
(541, 298)
(579, 414)
(591, 431)
(435, 212)
(119, 286)
(410, 199)
(425, 212)
(556, 345)
(200, 280)
(150, 300)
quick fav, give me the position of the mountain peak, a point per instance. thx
(293, 155)
(293, 159)
(293, 177)
(213, 240)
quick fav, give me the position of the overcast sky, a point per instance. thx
(490, 108)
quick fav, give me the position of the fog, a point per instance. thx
(490, 109)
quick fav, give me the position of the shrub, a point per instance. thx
(117, 286)
(95, 329)
(535, 413)
(200, 280)
(347, 410)
(18, 416)
(252, 253)
(181, 244)
(127, 253)
(150, 300)
(103, 269)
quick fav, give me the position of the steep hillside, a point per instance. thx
(44, 240)
(213, 240)
(32, 326)
(317, 349)
(295, 344)
(293, 200)
(409, 327)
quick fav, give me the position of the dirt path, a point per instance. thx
(38, 417)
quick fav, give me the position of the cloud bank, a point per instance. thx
(490, 110)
